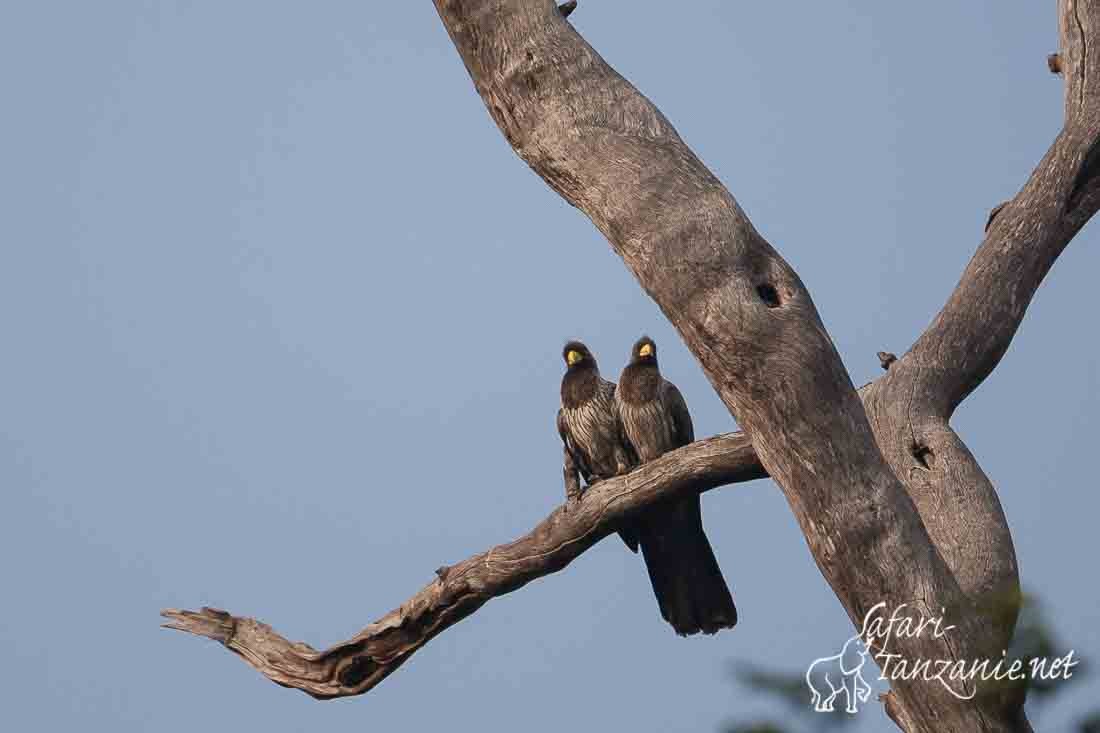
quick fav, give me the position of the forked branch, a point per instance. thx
(892, 504)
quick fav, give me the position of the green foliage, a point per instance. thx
(1035, 639)
(756, 728)
(1090, 724)
(790, 689)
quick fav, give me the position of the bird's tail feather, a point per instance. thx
(691, 592)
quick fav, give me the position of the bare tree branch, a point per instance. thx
(893, 505)
(910, 406)
(741, 310)
(967, 339)
(357, 665)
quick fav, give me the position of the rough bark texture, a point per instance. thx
(357, 665)
(893, 506)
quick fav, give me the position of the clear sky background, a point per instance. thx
(282, 317)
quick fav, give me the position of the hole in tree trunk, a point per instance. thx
(924, 456)
(768, 294)
(358, 670)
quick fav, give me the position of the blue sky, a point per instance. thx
(283, 316)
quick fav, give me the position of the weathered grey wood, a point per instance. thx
(739, 307)
(893, 506)
(910, 407)
(357, 665)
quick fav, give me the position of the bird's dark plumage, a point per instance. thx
(687, 581)
(589, 423)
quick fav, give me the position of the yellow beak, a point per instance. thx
(646, 350)
(573, 357)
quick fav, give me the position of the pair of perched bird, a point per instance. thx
(608, 431)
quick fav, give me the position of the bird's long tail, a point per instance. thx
(687, 581)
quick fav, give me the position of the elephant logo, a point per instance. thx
(829, 676)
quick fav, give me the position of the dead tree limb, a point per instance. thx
(893, 506)
(357, 665)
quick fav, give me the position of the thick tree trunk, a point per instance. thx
(893, 506)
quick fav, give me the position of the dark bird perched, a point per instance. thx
(588, 423)
(685, 575)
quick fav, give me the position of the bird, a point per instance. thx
(687, 581)
(588, 423)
